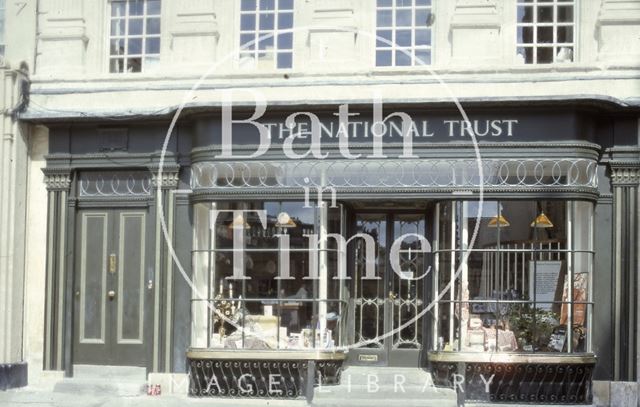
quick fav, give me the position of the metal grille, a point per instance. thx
(432, 173)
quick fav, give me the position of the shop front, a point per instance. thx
(288, 263)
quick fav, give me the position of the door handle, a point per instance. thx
(392, 295)
(112, 263)
(111, 294)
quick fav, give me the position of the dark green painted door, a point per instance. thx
(112, 291)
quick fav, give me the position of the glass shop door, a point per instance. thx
(387, 324)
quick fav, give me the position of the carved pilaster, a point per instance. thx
(167, 181)
(58, 182)
(625, 179)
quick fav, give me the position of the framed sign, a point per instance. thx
(545, 283)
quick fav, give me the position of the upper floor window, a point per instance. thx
(545, 31)
(266, 36)
(403, 30)
(134, 39)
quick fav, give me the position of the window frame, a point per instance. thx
(394, 48)
(143, 36)
(554, 24)
(256, 33)
(451, 301)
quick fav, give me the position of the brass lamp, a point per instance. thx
(541, 221)
(285, 221)
(239, 223)
(498, 220)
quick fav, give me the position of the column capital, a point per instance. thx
(622, 175)
(57, 179)
(167, 180)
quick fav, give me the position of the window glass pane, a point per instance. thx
(153, 7)
(118, 8)
(117, 47)
(385, 38)
(134, 46)
(384, 3)
(403, 38)
(525, 55)
(135, 26)
(403, 18)
(525, 14)
(136, 7)
(267, 4)
(545, 35)
(423, 37)
(565, 14)
(545, 14)
(421, 17)
(402, 59)
(285, 21)
(117, 27)
(116, 65)
(153, 26)
(544, 55)
(385, 18)
(152, 46)
(383, 58)
(285, 60)
(525, 35)
(266, 42)
(565, 34)
(423, 2)
(248, 5)
(248, 22)
(403, 3)
(285, 4)
(423, 57)
(285, 41)
(245, 39)
(134, 65)
(267, 22)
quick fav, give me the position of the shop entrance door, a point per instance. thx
(112, 295)
(385, 321)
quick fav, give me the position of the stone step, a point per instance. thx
(387, 376)
(95, 387)
(121, 381)
(374, 386)
(125, 373)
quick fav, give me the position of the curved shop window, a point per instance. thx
(512, 292)
(286, 297)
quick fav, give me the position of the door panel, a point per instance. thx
(111, 302)
(369, 294)
(391, 302)
(130, 321)
(93, 278)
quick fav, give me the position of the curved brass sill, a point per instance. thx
(486, 357)
(240, 354)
